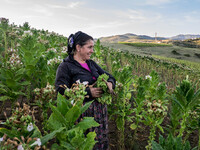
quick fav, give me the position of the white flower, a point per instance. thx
(148, 77)
(72, 102)
(30, 127)
(85, 82)
(37, 142)
(114, 62)
(1, 139)
(78, 81)
(27, 32)
(20, 147)
(48, 62)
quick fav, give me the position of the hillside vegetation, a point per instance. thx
(164, 50)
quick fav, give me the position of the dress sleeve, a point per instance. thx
(101, 71)
(62, 78)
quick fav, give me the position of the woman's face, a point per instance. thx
(86, 50)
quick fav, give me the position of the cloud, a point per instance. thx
(138, 16)
(56, 6)
(158, 2)
(77, 17)
(193, 19)
(71, 5)
(74, 4)
(41, 10)
(13, 2)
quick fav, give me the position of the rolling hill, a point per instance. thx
(129, 37)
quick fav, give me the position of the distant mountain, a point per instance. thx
(128, 37)
(184, 37)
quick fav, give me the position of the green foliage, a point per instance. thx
(170, 143)
(12, 85)
(66, 114)
(184, 101)
(20, 130)
(150, 104)
(106, 97)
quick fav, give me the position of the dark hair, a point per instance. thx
(79, 38)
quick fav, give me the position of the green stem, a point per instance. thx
(151, 137)
(182, 125)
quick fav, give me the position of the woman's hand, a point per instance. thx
(110, 87)
(96, 92)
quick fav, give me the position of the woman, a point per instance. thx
(79, 66)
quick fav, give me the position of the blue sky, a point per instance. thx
(101, 18)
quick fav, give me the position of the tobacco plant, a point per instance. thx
(170, 143)
(12, 85)
(65, 116)
(150, 104)
(120, 109)
(185, 100)
(21, 131)
(43, 98)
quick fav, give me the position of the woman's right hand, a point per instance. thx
(96, 92)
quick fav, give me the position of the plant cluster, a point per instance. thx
(63, 120)
(21, 132)
(76, 94)
(106, 97)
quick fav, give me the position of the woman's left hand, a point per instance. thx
(110, 87)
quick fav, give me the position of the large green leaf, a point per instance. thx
(120, 123)
(195, 101)
(55, 146)
(59, 116)
(28, 57)
(156, 146)
(62, 104)
(86, 106)
(2, 90)
(178, 103)
(76, 137)
(89, 142)
(4, 98)
(72, 115)
(67, 146)
(10, 133)
(12, 84)
(51, 135)
(87, 123)
(53, 123)
(19, 93)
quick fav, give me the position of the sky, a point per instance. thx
(101, 18)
